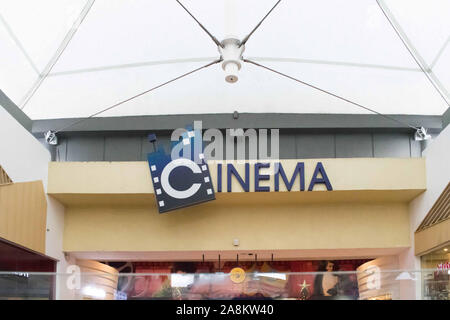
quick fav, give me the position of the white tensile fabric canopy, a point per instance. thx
(72, 58)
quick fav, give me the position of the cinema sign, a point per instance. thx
(182, 177)
(183, 182)
(265, 171)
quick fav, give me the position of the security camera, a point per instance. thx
(51, 138)
(421, 134)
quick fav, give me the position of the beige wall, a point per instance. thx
(214, 225)
(23, 214)
(344, 175)
(110, 207)
(432, 237)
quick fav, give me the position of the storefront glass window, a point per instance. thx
(234, 284)
(436, 278)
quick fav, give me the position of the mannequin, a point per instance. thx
(325, 283)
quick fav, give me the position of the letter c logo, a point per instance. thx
(184, 194)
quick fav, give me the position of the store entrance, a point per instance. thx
(436, 274)
(17, 278)
(237, 279)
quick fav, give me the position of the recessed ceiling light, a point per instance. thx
(445, 249)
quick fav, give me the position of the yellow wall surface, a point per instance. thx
(110, 207)
(214, 225)
(432, 237)
(23, 214)
(344, 174)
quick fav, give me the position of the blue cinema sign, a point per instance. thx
(183, 182)
(319, 177)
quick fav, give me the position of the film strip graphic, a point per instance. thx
(182, 181)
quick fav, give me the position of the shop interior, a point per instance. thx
(436, 278)
(18, 268)
(240, 279)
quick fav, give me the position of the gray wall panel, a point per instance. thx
(89, 148)
(415, 148)
(147, 147)
(294, 145)
(394, 145)
(354, 145)
(245, 120)
(125, 148)
(315, 146)
(446, 118)
(16, 113)
(288, 146)
(61, 150)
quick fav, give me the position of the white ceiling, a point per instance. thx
(124, 47)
